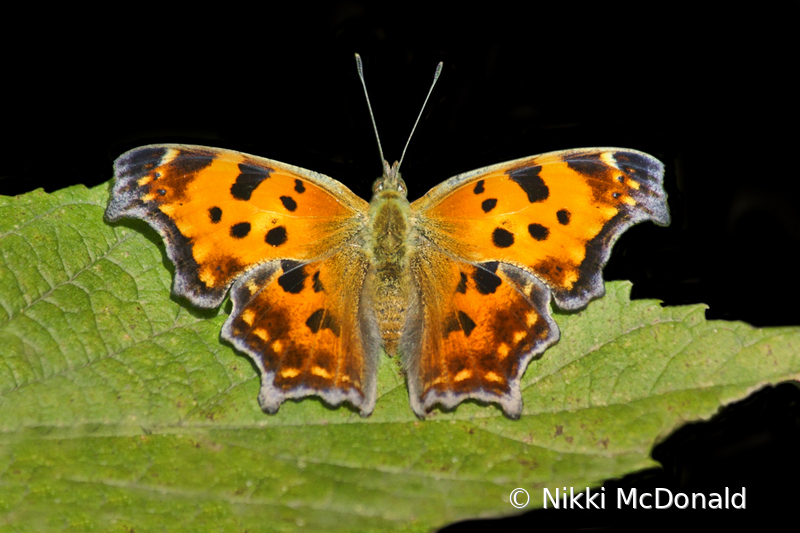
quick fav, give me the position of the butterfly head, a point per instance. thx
(390, 184)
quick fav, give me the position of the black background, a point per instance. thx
(707, 93)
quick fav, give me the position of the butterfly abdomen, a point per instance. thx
(388, 253)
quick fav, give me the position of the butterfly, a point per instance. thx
(458, 284)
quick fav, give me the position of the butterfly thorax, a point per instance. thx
(388, 253)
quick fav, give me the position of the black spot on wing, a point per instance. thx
(240, 230)
(502, 238)
(462, 284)
(460, 322)
(467, 324)
(293, 278)
(491, 266)
(250, 177)
(314, 322)
(538, 232)
(276, 236)
(299, 187)
(289, 203)
(529, 180)
(489, 204)
(479, 188)
(563, 217)
(318, 287)
(321, 319)
(215, 214)
(486, 281)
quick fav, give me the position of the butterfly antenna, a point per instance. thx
(433, 84)
(371, 114)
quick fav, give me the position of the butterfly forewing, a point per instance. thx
(221, 212)
(554, 215)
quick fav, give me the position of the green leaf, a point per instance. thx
(121, 409)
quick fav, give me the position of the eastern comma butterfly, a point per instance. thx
(458, 283)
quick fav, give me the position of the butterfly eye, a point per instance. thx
(377, 186)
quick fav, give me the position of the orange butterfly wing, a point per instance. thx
(304, 326)
(494, 244)
(472, 331)
(285, 236)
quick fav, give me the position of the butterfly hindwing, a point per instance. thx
(472, 331)
(308, 332)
